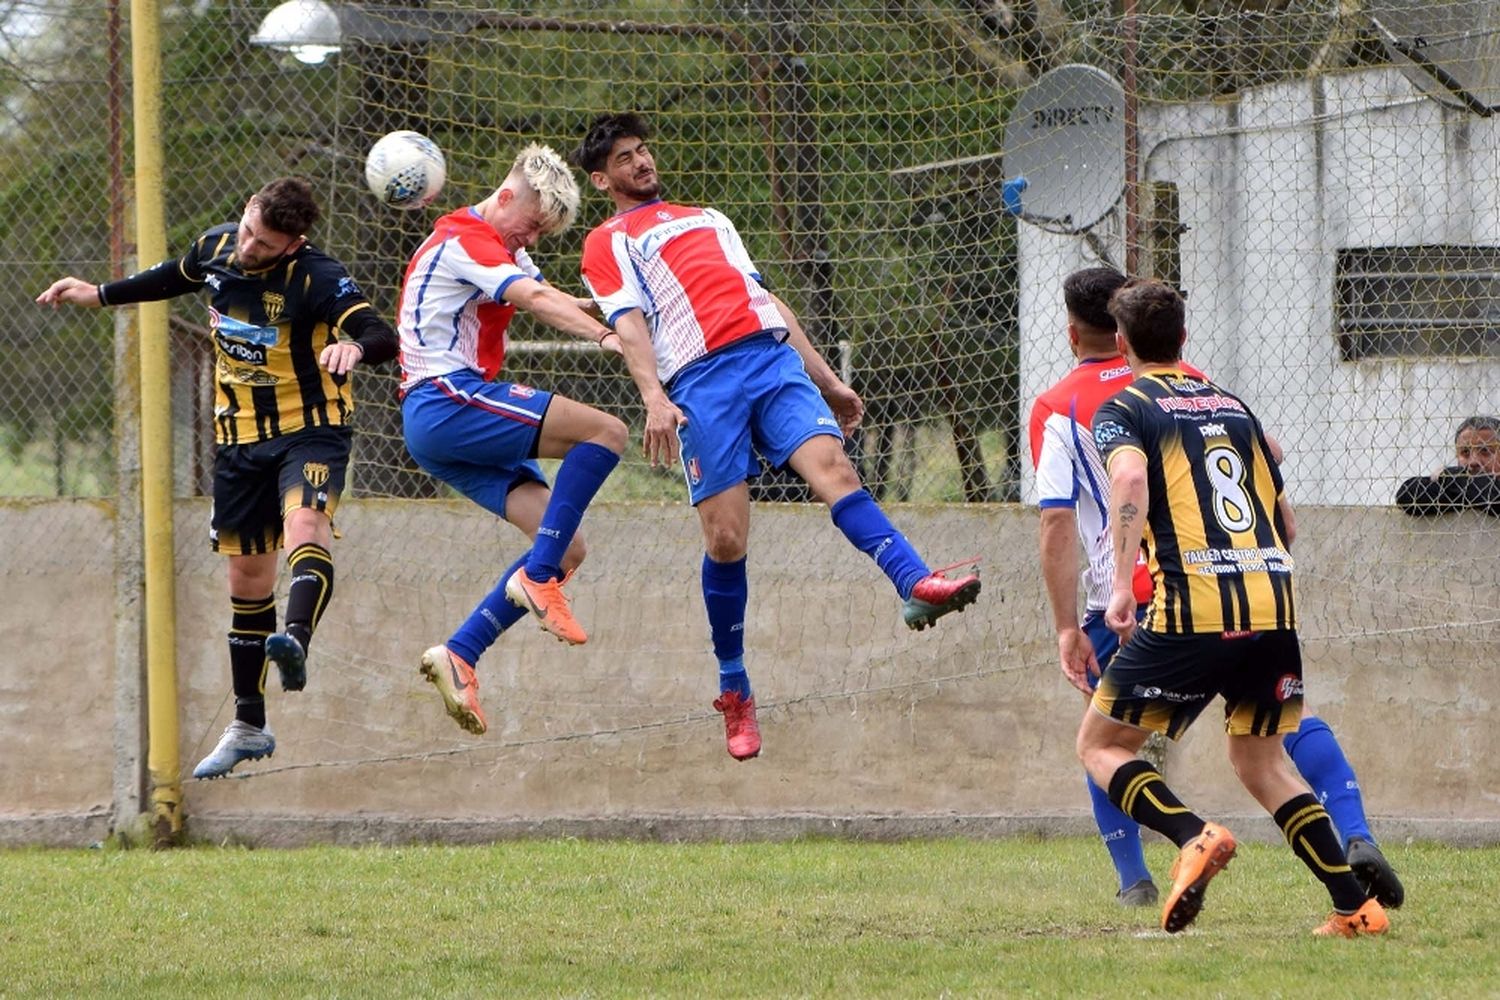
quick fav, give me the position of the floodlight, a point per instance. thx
(307, 29)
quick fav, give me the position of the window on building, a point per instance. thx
(1418, 302)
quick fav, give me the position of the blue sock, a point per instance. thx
(1320, 759)
(726, 593)
(862, 521)
(732, 677)
(1121, 835)
(582, 472)
(494, 615)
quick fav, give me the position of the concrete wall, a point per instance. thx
(1272, 185)
(869, 730)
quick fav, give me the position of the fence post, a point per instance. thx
(156, 432)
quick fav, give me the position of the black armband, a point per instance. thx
(164, 281)
(374, 336)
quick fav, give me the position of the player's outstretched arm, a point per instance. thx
(560, 311)
(842, 400)
(72, 291)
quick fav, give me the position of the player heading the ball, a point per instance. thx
(288, 325)
(483, 436)
(725, 371)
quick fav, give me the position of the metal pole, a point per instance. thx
(130, 794)
(156, 430)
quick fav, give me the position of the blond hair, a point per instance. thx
(540, 172)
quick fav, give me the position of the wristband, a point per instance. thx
(606, 333)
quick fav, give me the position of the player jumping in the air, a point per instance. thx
(483, 437)
(289, 325)
(725, 370)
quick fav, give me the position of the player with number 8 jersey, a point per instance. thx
(1217, 547)
(1191, 475)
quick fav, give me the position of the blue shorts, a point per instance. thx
(1103, 638)
(478, 437)
(753, 396)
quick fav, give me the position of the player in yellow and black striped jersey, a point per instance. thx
(289, 324)
(1190, 474)
(1215, 533)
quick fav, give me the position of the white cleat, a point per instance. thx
(241, 741)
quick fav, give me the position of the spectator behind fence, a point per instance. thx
(1472, 482)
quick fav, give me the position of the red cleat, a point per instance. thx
(935, 595)
(741, 731)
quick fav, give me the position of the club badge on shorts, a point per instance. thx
(316, 474)
(694, 470)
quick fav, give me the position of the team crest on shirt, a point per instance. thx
(316, 473)
(694, 470)
(664, 216)
(272, 304)
(521, 391)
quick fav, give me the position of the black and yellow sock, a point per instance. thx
(311, 566)
(252, 621)
(1306, 825)
(1142, 794)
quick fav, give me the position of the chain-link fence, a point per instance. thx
(855, 144)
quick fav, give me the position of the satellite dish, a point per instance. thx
(1064, 149)
(1450, 50)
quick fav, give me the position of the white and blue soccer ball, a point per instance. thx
(405, 169)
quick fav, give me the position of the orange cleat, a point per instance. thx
(1368, 919)
(547, 601)
(456, 682)
(741, 731)
(1200, 859)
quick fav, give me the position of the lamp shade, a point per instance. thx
(308, 29)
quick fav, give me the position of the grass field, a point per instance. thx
(810, 918)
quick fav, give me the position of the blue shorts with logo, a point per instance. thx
(752, 396)
(478, 437)
(1103, 638)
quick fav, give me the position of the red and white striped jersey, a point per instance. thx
(687, 271)
(1070, 472)
(451, 315)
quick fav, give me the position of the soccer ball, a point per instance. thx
(405, 169)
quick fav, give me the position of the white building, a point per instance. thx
(1301, 205)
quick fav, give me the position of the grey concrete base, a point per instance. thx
(55, 829)
(262, 830)
(273, 831)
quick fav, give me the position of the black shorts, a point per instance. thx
(1162, 682)
(255, 485)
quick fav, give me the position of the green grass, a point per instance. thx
(811, 918)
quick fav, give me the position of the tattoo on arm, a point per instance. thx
(1127, 512)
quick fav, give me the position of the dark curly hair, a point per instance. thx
(603, 132)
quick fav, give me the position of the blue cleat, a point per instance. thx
(290, 658)
(241, 741)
